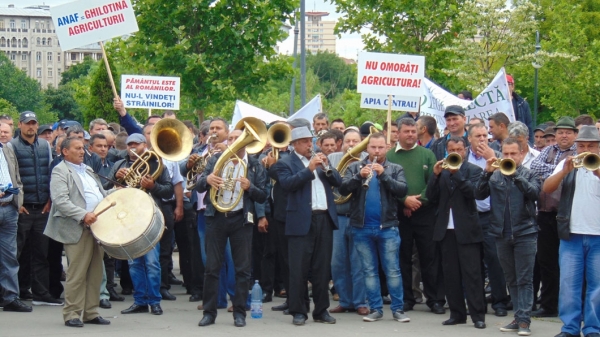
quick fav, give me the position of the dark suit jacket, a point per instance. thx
(456, 191)
(280, 196)
(297, 181)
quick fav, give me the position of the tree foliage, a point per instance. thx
(23, 92)
(333, 72)
(77, 71)
(96, 95)
(62, 102)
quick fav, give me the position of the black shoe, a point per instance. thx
(267, 298)
(196, 298)
(17, 306)
(324, 318)
(98, 320)
(386, 299)
(166, 295)
(286, 312)
(74, 323)
(155, 309)
(299, 319)
(479, 325)
(501, 312)
(437, 309)
(206, 320)
(453, 321)
(280, 307)
(105, 304)
(239, 321)
(25, 295)
(174, 281)
(565, 334)
(541, 312)
(127, 291)
(114, 296)
(408, 307)
(135, 309)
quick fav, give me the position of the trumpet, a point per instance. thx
(452, 162)
(367, 181)
(589, 161)
(279, 135)
(326, 167)
(141, 168)
(197, 169)
(507, 166)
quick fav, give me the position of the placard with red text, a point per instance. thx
(390, 74)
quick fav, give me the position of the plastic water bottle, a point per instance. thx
(256, 310)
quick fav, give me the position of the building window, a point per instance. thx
(8, 42)
(49, 42)
(14, 42)
(12, 24)
(43, 41)
(19, 43)
(49, 56)
(38, 56)
(23, 57)
(1, 24)
(58, 72)
(25, 43)
(73, 56)
(39, 72)
(39, 41)
(13, 56)
(2, 42)
(58, 56)
(37, 25)
(23, 24)
(42, 24)
(49, 72)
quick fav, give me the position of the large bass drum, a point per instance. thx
(132, 227)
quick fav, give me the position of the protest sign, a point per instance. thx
(390, 74)
(83, 22)
(150, 92)
(380, 102)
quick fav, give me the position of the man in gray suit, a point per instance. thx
(9, 214)
(75, 192)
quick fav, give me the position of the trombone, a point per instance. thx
(589, 161)
(452, 162)
(507, 166)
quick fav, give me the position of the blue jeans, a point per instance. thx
(579, 260)
(227, 276)
(372, 245)
(9, 265)
(145, 275)
(517, 257)
(346, 267)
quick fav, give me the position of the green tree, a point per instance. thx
(97, 98)
(77, 70)
(6, 108)
(333, 72)
(221, 50)
(62, 102)
(17, 88)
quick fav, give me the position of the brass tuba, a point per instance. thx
(171, 139)
(590, 161)
(199, 166)
(279, 135)
(254, 139)
(141, 168)
(452, 162)
(507, 166)
(351, 156)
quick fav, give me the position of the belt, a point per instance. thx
(486, 212)
(233, 213)
(33, 206)
(319, 211)
(2, 204)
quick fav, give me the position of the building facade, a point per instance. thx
(319, 35)
(28, 38)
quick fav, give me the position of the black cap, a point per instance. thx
(44, 127)
(365, 129)
(27, 116)
(542, 127)
(454, 110)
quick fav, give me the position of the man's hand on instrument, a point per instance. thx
(147, 182)
(118, 105)
(364, 172)
(220, 147)
(568, 166)
(377, 168)
(437, 168)
(121, 173)
(269, 160)
(192, 161)
(323, 158)
(489, 165)
(214, 181)
(314, 162)
(89, 219)
(263, 225)
(244, 183)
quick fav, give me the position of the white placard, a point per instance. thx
(84, 22)
(150, 92)
(390, 74)
(380, 102)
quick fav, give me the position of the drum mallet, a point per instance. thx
(112, 204)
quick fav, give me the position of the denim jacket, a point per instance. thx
(521, 197)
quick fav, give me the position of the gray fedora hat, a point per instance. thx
(588, 133)
(301, 132)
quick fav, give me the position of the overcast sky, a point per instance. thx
(347, 46)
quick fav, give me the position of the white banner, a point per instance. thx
(150, 92)
(309, 110)
(390, 74)
(243, 109)
(82, 22)
(495, 98)
(380, 102)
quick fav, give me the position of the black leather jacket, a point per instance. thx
(392, 187)
(524, 191)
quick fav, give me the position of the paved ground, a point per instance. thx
(181, 318)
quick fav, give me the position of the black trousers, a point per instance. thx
(31, 231)
(264, 256)
(418, 229)
(125, 278)
(218, 229)
(196, 285)
(55, 268)
(183, 241)
(461, 264)
(547, 257)
(311, 253)
(109, 267)
(278, 227)
(490, 256)
(166, 245)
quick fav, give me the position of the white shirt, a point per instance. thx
(174, 174)
(237, 171)
(5, 177)
(318, 196)
(529, 157)
(200, 204)
(91, 190)
(585, 213)
(451, 220)
(482, 205)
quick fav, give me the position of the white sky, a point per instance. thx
(347, 46)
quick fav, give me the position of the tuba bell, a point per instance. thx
(507, 166)
(279, 135)
(589, 161)
(351, 156)
(452, 162)
(254, 139)
(171, 139)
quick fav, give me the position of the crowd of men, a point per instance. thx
(398, 225)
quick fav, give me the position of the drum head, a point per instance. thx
(127, 220)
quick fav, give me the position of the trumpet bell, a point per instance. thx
(171, 139)
(452, 162)
(279, 135)
(507, 166)
(589, 161)
(257, 129)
